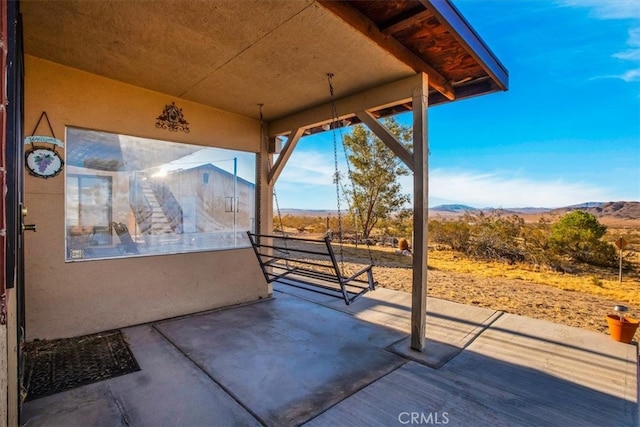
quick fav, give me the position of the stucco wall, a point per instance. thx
(70, 299)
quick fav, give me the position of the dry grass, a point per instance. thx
(585, 279)
(588, 280)
(581, 298)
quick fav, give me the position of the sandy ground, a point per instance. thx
(511, 296)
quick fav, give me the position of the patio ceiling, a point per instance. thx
(232, 55)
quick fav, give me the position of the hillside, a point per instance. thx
(453, 208)
(609, 212)
(618, 210)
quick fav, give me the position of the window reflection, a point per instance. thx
(129, 196)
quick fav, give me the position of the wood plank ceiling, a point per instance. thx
(418, 33)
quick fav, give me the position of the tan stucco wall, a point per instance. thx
(70, 299)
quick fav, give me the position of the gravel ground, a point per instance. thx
(511, 296)
(514, 296)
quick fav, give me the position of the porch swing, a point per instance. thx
(312, 264)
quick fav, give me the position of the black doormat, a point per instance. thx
(59, 365)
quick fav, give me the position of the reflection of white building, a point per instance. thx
(211, 198)
(161, 196)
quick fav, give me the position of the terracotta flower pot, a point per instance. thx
(622, 330)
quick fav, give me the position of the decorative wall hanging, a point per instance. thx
(43, 162)
(172, 119)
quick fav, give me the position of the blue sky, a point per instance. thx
(566, 132)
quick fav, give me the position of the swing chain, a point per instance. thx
(275, 195)
(335, 120)
(336, 177)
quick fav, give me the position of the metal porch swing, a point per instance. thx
(312, 264)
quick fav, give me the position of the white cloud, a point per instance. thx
(628, 76)
(507, 190)
(607, 9)
(616, 9)
(308, 167)
(628, 55)
(631, 54)
(631, 76)
(307, 182)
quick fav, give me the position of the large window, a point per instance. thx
(128, 196)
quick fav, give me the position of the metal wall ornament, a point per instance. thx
(43, 162)
(172, 119)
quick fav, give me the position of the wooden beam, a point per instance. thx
(447, 14)
(292, 141)
(420, 216)
(388, 95)
(367, 27)
(387, 137)
(264, 195)
(406, 23)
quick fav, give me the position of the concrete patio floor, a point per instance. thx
(305, 359)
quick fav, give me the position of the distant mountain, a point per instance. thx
(621, 210)
(309, 212)
(530, 210)
(453, 208)
(586, 205)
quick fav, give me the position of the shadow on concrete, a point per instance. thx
(285, 360)
(289, 361)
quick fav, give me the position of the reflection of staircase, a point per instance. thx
(158, 214)
(160, 224)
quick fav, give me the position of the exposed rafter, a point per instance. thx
(387, 137)
(448, 15)
(406, 23)
(277, 168)
(390, 44)
(375, 99)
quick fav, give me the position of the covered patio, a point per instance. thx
(300, 359)
(250, 78)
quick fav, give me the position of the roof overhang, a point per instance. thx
(233, 55)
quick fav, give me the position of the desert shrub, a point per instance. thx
(577, 235)
(455, 234)
(536, 243)
(496, 237)
(401, 223)
(603, 254)
(595, 281)
(493, 236)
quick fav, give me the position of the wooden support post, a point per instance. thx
(420, 214)
(264, 185)
(264, 194)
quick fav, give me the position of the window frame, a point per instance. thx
(205, 239)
